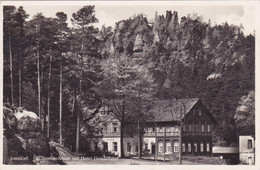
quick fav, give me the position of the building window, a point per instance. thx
(195, 147)
(202, 128)
(183, 128)
(136, 148)
(169, 147)
(249, 144)
(198, 112)
(114, 127)
(189, 147)
(209, 128)
(190, 130)
(183, 147)
(128, 147)
(115, 146)
(146, 147)
(201, 147)
(195, 128)
(161, 147)
(175, 146)
(160, 129)
(153, 129)
(208, 147)
(168, 129)
(105, 146)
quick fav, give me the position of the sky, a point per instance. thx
(111, 12)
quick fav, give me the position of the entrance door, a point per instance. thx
(153, 148)
(105, 147)
(250, 161)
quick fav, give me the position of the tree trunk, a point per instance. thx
(75, 110)
(164, 143)
(38, 82)
(156, 145)
(11, 70)
(20, 81)
(80, 91)
(80, 98)
(48, 98)
(139, 139)
(77, 134)
(61, 101)
(180, 143)
(139, 129)
(122, 129)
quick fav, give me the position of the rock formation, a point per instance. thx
(24, 142)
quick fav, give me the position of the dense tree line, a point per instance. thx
(61, 73)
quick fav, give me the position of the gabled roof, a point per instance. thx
(158, 110)
(170, 110)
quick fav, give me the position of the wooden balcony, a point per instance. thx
(153, 134)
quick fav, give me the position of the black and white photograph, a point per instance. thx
(128, 83)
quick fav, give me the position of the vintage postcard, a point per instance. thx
(129, 83)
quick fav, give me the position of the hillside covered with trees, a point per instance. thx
(63, 73)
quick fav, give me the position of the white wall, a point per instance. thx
(110, 144)
(246, 155)
(149, 141)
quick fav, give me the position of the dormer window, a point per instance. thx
(197, 112)
(114, 127)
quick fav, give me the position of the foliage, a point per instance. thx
(245, 114)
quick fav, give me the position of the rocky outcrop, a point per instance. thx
(165, 26)
(130, 36)
(24, 141)
(138, 45)
(171, 39)
(27, 121)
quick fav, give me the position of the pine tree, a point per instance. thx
(82, 19)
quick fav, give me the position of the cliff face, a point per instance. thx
(130, 36)
(188, 40)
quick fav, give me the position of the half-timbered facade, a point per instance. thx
(161, 131)
(162, 135)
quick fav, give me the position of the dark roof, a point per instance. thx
(170, 110)
(158, 110)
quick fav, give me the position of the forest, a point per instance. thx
(63, 73)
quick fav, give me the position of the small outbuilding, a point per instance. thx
(247, 149)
